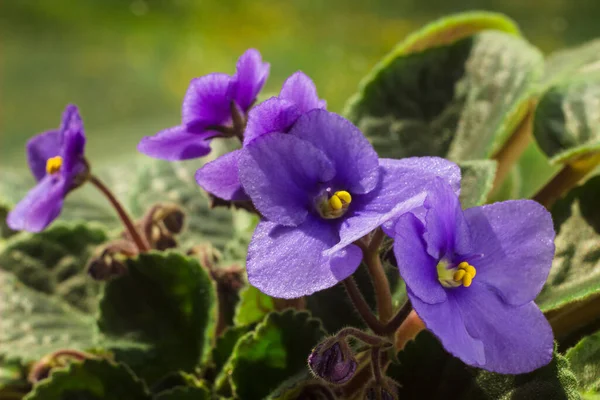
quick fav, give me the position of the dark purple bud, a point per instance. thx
(334, 363)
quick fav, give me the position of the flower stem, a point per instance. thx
(361, 306)
(566, 179)
(398, 319)
(135, 235)
(514, 147)
(363, 337)
(376, 365)
(380, 281)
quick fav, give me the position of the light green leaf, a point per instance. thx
(564, 64)
(567, 119)
(254, 305)
(33, 324)
(54, 261)
(166, 301)
(585, 363)
(477, 179)
(460, 101)
(226, 343)
(275, 351)
(575, 274)
(427, 371)
(91, 380)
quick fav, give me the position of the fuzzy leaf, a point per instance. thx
(585, 363)
(254, 305)
(165, 301)
(567, 119)
(476, 182)
(427, 371)
(563, 64)
(226, 343)
(460, 101)
(185, 393)
(276, 350)
(91, 380)
(575, 273)
(54, 261)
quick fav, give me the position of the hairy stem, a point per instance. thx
(361, 306)
(380, 281)
(398, 319)
(376, 365)
(566, 179)
(363, 337)
(129, 226)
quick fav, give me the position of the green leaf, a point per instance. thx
(254, 305)
(33, 324)
(91, 380)
(567, 119)
(427, 371)
(185, 393)
(274, 352)
(300, 387)
(585, 363)
(449, 29)
(54, 261)
(460, 101)
(226, 343)
(564, 64)
(476, 182)
(166, 301)
(575, 273)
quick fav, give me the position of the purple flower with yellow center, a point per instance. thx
(320, 188)
(472, 277)
(214, 105)
(56, 161)
(278, 114)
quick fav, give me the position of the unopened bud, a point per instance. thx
(333, 362)
(174, 219)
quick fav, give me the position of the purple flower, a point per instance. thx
(56, 161)
(320, 188)
(472, 277)
(277, 114)
(334, 363)
(210, 106)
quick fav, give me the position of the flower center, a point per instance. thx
(334, 206)
(53, 164)
(461, 275)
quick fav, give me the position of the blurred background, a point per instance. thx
(127, 63)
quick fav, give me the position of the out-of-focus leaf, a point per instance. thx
(91, 380)
(585, 363)
(427, 371)
(575, 273)
(460, 101)
(567, 119)
(275, 351)
(54, 261)
(165, 301)
(564, 64)
(302, 386)
(477, 178)
(185, 393)
(254, 305)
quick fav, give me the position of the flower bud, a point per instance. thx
(333, 362)
(174, 219)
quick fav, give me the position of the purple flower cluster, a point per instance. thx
(320, 187)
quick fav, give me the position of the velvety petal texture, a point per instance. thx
(44, 202)
(272, 115)
(301, 90)
(490, 322)
(207, 110)
(220, 177)
(287, 262)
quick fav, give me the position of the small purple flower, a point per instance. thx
(334, 363)
(56, 161)
(210, 106)
(472, 277)
(320, 188)
(278, 114)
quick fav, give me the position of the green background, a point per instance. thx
(127, 64)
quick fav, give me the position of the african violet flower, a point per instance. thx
(212, 106)
(278, 114)
(472, 277)
(56, 161)
(321, 187)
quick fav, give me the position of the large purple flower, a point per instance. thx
(210, 106)
(320, 188)
(278, 114)
(472, 277)
(56, 161)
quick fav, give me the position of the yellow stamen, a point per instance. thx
(335, 203)
(53, 165)
(344, 196)
(467, 280)
(459, 275)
